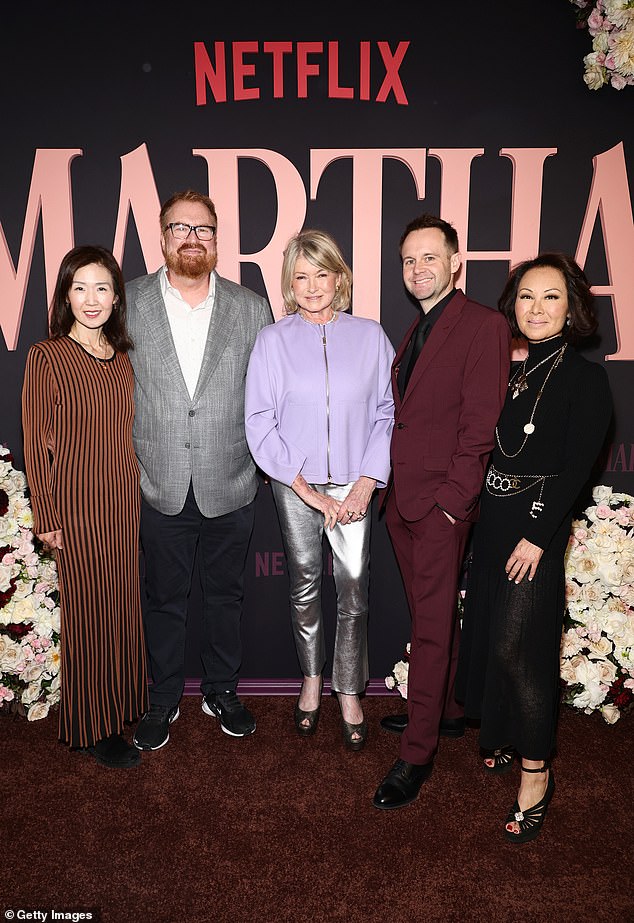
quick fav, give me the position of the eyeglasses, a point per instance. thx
(182, 231)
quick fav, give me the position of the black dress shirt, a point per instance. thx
(431, 317)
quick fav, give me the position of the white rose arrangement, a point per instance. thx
(611, 25)
(29, 605)
(597, 657)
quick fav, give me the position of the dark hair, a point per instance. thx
(62, 318)
(431, 221)
(189, 195)
(583, 321)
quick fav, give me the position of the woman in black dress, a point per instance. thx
(551, 430)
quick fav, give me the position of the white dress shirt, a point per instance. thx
(189, 327)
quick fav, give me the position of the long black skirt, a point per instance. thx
(508, 673)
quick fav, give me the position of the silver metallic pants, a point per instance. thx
(302, 532)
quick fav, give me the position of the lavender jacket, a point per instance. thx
(319, 400)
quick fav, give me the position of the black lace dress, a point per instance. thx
(508, 674)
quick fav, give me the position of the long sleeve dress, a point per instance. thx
(508, 674)
(83, 478)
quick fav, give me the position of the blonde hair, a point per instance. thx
(320, 249)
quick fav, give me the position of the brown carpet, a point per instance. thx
(278, 828)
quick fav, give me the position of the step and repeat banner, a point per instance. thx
(349, 122)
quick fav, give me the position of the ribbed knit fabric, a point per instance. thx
(83, 479)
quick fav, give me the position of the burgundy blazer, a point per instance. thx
(444, 427)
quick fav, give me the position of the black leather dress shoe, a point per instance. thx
(452, 727)
(449, 727)
(394, 723)
(401, 785)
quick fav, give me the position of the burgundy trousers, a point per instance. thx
(429, 552)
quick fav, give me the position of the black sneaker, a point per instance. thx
(235, 719)
(152, 731)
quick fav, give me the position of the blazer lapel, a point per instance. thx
(223, 320)
(441, 330)
(396, 363)
(152, 307)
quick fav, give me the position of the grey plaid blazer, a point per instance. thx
(179, 439)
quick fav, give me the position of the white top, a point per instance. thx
(189, 327)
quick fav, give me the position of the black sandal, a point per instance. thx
(502, 761)
(348, 730)
(310, 717)
(531, 820)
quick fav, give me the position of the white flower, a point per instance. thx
(38, 711)
(610, 713)
(400, 671)
(601, 648)
(590, 697)
(31, 694)
(12, 659)
(572, 643)
(595, 75)
(601, 494)
(618, 12)
(35, 658)
(584, 567)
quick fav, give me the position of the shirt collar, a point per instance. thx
(168, 288)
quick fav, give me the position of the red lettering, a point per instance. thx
(334, 90)
(304, 69)
(277, 561)
(278, 50)
(392, 80)
(207, 74)
(242, 70)
(261, 564)
(364, 70)
(618, 462)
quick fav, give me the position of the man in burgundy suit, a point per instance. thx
(449, 379)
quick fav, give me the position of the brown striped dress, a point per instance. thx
(83, 478)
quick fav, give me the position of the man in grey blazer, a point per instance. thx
(193, 333)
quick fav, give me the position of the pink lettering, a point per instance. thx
(610, 200)
(49, 196)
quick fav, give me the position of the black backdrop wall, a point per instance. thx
(337, 119)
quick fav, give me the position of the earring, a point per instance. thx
(568, 321)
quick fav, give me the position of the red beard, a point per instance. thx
(191, 265)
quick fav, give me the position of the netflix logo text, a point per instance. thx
(239, 71)
(273, 564)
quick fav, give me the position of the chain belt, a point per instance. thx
(499, 484)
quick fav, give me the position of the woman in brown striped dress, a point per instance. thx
(77, 411)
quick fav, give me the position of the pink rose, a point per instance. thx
(6, 695)
(595, 22)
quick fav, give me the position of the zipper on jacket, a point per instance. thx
(323, 340)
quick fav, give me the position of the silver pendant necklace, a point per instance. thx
(529, 428)
(518, 382)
